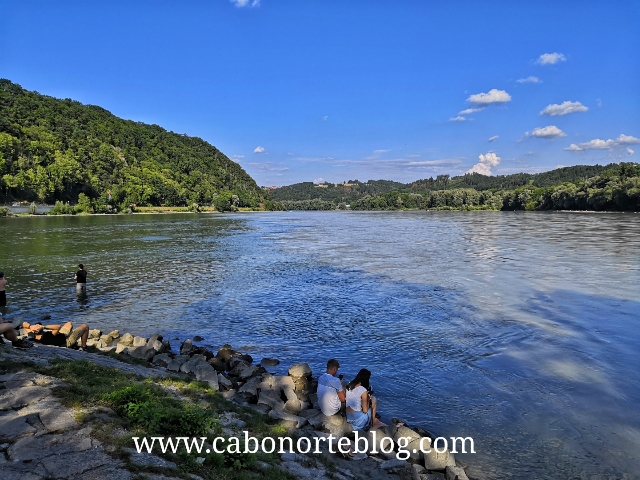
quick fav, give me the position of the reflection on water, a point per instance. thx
(519, 329)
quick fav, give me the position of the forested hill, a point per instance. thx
(353, 190)
(53, 149)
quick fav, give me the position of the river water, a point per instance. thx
(519, 329)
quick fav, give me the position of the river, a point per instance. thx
(519, 329)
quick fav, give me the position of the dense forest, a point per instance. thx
(615, 187)
(55, 150)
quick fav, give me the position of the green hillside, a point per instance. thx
(53, 149)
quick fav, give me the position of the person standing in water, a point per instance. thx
(3, 293)
(81, 278)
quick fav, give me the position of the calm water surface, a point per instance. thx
(518, 329)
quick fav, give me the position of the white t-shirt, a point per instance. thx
(328, 388)
(354, 398)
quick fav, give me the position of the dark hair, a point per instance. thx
(333, 363)
(362, 378)
(1, 274)
(81, 267)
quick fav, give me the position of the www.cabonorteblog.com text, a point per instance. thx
(303, 445)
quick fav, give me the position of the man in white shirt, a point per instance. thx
(331, 395)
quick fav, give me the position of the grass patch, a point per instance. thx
(169, 406)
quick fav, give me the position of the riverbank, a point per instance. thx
(227, 388)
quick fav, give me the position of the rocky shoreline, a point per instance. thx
(290, 399)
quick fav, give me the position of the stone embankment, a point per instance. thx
(290, 399)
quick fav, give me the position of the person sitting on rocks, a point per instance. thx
(330, 392)
(10, 334)
(361, 405)
(60, 336)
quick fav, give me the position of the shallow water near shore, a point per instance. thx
(519, 329)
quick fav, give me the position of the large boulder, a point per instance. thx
(177, 362)
(186, 347)
(224, 383)
(414, 439)
(155, 342)
(163, 360)
(142, 352)
(434, 460)
(139, 341)
(115, 334)
(190, 365)
(455, 473)
(126, 340)
(300, 370)
(206, 373)
(218, 364)
(106, 339)
(94, 333)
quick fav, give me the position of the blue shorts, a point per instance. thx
(359, 420)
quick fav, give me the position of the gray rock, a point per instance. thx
(142, 352)
(248, 372)
(206, 373)
(396, 466)
(106, 472)
(437, 461)
(224, 383)
(31, 449)
(177, 363)
(20, 397)
(162, 360)
(455, 473)
(75, 463)
(106, 339)
(121, 347)
(157, 345)
(139, 341)
(13, 426)
(295, 469)
(186, 347)
(126, 340)
(251, 387)
(148, 460)
(432, 476)
(280, 415)
(300, 370)
(190, 365)
(269, 362)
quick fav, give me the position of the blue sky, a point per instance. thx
(302, 90)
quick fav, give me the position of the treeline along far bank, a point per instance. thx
(54, 150)
(614, 187)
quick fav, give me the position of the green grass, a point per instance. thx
(169, 406)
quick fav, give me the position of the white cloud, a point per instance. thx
(494, 138)
(565, 108)
(457, 119)
(487, 161)
(598, 144)
(238, 156)
(485, 99)
(550, 131)
(325, 118)
(318, 181)
(599, 103)
(269, 167)
(550, 58)
(245, 3)
(470, 110)
(381, 151)
(529, 80)
(630, 151)
(258, 149)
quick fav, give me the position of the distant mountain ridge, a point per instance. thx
(53, 149)
(353, 190)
